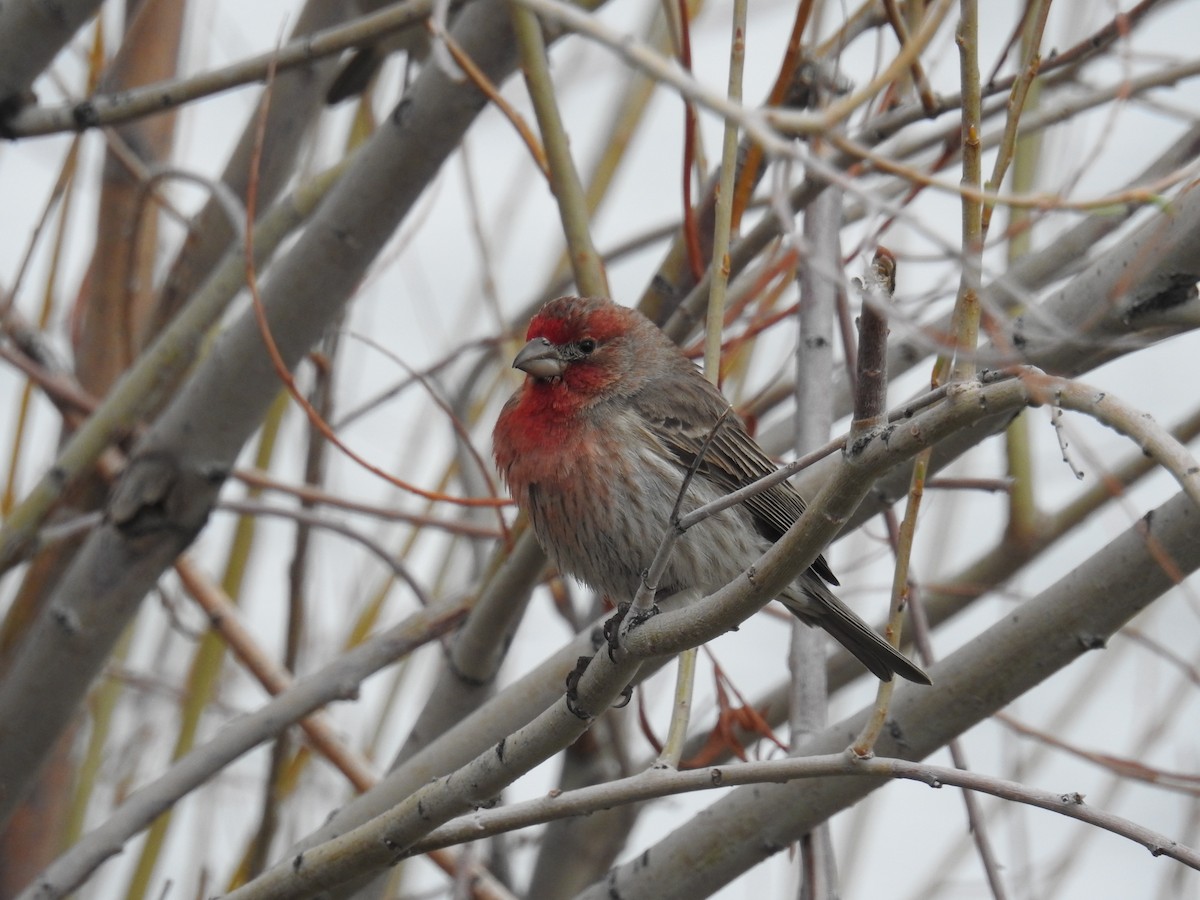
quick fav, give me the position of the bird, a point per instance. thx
(595, 446)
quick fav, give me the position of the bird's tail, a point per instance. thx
(820, 606)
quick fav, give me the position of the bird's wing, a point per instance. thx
(682, 416)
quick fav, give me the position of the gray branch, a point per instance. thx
(1076, 615)
(165, 496)
(337, 681)
(31, 34)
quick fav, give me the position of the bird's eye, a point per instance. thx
(587, 345)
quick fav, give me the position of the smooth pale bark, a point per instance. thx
(340, 680)
(165, 496)
(31, 34)
(297, 96)
(1077, 614)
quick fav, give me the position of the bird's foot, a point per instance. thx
(612, 628)
(573, 679)
(643, 617)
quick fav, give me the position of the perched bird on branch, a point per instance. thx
(595, 447)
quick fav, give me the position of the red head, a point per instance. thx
(586, 347)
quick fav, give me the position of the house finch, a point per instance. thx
(596, 444)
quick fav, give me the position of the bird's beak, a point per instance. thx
(540, 359)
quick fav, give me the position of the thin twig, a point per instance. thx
(315, 520)
(314, 495)
(564, 177)
(124, 106)
(667, 782)
(878, 292)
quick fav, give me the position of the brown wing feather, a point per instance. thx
(733, 459)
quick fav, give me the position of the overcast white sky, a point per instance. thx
(423, 300)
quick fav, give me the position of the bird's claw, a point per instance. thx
(643, 617)
(612, 627)
(573, 677)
